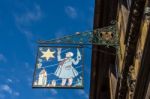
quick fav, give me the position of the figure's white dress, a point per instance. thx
(65, 69)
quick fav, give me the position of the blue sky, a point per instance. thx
(22, 23)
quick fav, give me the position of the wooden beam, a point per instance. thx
(144, 73)
(105, 12)
(133, 31)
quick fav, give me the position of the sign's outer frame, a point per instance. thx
(61, 46)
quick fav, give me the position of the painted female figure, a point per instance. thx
(65, 70)
(42, 78)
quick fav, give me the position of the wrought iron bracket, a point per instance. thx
(147, 13)
(107, 36)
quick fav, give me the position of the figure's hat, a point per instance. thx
(69, 54)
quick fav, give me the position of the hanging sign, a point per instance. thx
(59, 67)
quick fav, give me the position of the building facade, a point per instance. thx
(122, 73)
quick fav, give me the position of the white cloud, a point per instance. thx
(53, 91)
(71, 12)
(28, 34)
(29, 16)
(16, 93)
(2, 58)
(83, 93)
(9, 80)
(26, 19)
(29, 81)
(6, 88)
(29, 38)
(59, 33)
(29, 67)
(12, 80)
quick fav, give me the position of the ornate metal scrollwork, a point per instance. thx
(131, 80)
(138, 55)
(107, 36)
(147, 13)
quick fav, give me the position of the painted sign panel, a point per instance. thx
(59, 67)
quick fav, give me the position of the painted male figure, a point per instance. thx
(65, 70)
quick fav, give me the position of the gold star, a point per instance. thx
(48, 54)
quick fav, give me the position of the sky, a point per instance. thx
(22, 23)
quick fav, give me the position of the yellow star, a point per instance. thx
(48, 54)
